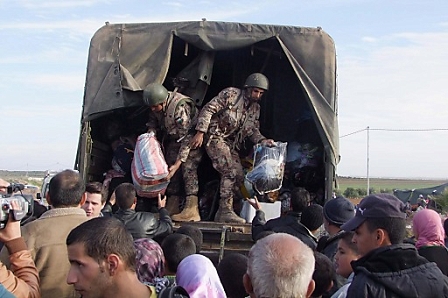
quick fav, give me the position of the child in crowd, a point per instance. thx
(345, 254)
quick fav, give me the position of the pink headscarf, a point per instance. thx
(427, 225)
(197, 275)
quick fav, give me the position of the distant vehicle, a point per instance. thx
(33, 187)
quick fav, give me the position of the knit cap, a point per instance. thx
(339, 210)
(312, 217)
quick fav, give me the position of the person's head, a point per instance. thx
(3, 186)
(66, 189)
(176, 247)
(323, 275)
(231, 270)
(126, 196)
(255, 86)
(312, 217)
(337, 211)
(379, 221)
(279, 265)
(345, 253)
(428, 229)
(150, 261)
(300, 199)
(154, 96)
(198, 276)
(195, 234)
(101, 254)
(445, 227)
(96, 196)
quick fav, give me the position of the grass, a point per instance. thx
(383, 183)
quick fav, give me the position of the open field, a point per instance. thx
(383, 183)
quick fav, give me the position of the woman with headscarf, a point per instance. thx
(430, 238)
(199, 277)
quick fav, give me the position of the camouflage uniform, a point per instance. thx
(226, 121)
(176, 130)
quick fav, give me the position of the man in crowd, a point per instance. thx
(102, 260)
(45, 236)
(96, 197)
(141, 224)
(279, 265)
(222, 126)
(289, 223)
(389, 268)
(175, 115)
(337, 211)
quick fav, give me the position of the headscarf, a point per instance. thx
(149, 260)
(197, 275)
(428, 227)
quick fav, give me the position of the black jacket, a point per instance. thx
(397, 271)
(145, 224)
(436, 254)
(290, 224)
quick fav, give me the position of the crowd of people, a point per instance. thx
(78, 249)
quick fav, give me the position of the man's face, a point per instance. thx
(93, 205)
(90, 279)
(364, 239)
(156, 108)
(254, 94)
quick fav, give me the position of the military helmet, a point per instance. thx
(257, 80)
(155, 94)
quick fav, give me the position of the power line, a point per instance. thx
(395, 130)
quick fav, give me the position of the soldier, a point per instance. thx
(223, 124)
(175, 115)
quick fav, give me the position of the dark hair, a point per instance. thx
(97, 187)
(103, 236)
(231, 270)
(66, 189)
(347, 237)
(445, 227)
(125, 195)
(395, 227)
(195, 234)
(177, 247)
(312, 217)
(300, 199)
(324, 274)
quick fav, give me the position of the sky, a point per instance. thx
(392, 69)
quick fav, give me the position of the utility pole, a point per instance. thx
(368, 161)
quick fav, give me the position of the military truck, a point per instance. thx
(207, 56)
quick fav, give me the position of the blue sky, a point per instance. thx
(392, 74)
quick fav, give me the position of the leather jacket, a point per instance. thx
(23, 279)
(145, 224)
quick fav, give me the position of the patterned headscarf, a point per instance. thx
(149, 260)
(427, 225)
(197, 275)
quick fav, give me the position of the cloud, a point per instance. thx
(31, 4)
(369, 39)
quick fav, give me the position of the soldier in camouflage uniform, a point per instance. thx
(175, 115)
(223, 124)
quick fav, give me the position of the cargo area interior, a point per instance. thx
(285, 112)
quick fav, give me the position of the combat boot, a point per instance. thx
(226, 214)
(190, 211)
(172, 205)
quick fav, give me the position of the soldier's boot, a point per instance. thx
(190, 211)
(226, 214)
(172, 205)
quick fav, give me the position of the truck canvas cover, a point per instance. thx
(300, 63)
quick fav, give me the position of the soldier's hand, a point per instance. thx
(173, 169)
(254, 203)
(161, 203)
(197, 140)
(268, 142)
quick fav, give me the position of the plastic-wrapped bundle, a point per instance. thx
(269, 166)
(149, 168)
